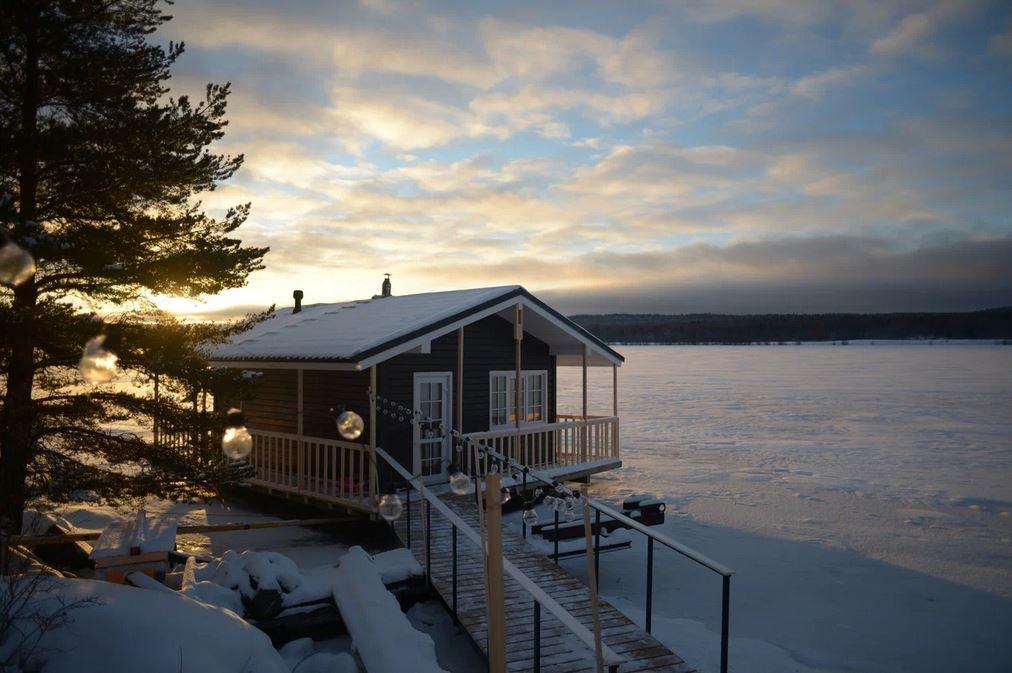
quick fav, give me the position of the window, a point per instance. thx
(535, 401)
(533, 388)
(499, 404)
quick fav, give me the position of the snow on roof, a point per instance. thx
(345, 330)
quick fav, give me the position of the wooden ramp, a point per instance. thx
(561, 651)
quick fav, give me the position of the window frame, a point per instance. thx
(510, 375)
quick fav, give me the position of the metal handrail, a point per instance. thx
(611, 659)
(725, 572)
(688, 552)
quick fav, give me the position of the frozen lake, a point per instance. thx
(863, 493)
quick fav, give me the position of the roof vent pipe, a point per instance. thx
(386, 286)
(297, 296)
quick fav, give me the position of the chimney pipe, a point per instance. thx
(386, 286)
(297, 296)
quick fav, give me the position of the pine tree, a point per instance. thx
(105, 168)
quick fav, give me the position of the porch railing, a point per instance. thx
(570, 441)
(327, 469)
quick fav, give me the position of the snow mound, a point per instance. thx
(251, 571)
(397, 565)
(125, 629)
(383, 637)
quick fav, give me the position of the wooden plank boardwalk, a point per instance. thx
(561, 651)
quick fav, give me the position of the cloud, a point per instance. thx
(1001, 43)
(716, 145)
(823, 274)
(914, 30)
(815, 86)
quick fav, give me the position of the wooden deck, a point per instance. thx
(561, 651)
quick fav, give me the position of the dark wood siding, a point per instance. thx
(274, 405)
(488, 346)
(275, 401)
(324, 391)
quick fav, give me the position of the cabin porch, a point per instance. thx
(343, 473)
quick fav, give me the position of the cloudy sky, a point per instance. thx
(619, 156)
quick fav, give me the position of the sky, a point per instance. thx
(727, 156)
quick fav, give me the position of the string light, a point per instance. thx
(506, 496)
(460, 483)
(236, 442)
(390, 507)
(16, 264)
(349, 424)
(97, 364)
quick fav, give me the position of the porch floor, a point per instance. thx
(561, 652)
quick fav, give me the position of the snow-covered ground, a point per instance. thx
(302, 562)
(863, 493)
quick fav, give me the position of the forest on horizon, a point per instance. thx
(699, 328)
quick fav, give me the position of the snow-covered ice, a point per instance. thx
(862, 493)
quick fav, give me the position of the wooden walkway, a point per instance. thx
(561, 651)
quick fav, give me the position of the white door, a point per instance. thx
(432, 439)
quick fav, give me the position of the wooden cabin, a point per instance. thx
(453, 356)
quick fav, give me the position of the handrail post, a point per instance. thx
(428, 543)
(523, 522)
(555, 554)
(650, 582)
(725, 622)
(454, 529)
(597, 547)
(407, 508)
(537, 636)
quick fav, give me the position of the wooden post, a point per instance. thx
(518, 338)
(496, 597)
(301, 458)
(373, 477)
(583, 430)
(614, 409)
(459, 425)
(592, 580)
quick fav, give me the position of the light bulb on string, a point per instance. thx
(349, 424)
(506, 496)
(16, 264)
(530, 516)
(236, 442)
(97, 365)
(538, 493)
(390, 507)
(460, 483)
(560, 505)
(569, 514)
(549, 501)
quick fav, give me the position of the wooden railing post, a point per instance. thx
(496, 596)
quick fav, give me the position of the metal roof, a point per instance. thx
(363, 333)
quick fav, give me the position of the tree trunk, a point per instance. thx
(16, 436)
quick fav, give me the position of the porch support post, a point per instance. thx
(518, 337)
(614, 409)
(301, 460)
(459, 425)
(583, 430)
(373, 476)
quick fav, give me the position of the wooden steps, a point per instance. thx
(561, 651)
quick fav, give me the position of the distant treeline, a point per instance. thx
(776, 328)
